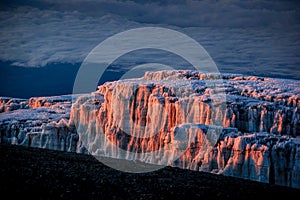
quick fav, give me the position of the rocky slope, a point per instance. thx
(49, 174)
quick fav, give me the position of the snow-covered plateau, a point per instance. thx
(230, 124)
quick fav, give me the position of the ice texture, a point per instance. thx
(230, 124)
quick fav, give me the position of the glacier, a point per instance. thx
(230, 124)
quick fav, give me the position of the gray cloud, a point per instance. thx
(33, 37)
(239, 33)
(216, 13)
(185, 13)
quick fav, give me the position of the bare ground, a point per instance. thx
(46, 174)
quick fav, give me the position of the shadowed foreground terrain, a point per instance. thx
(48, 174)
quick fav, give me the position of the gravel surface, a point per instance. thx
(45, 174)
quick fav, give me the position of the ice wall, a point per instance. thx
(230, 124)
(9, 104)
(132, 118)
(39, 122)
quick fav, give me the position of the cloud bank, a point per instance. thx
(34, 37)
(187, 13)
(245, 34)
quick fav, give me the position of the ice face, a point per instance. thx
(230, 124)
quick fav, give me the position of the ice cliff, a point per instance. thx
(231, 124)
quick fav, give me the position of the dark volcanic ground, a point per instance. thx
(45, 174)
